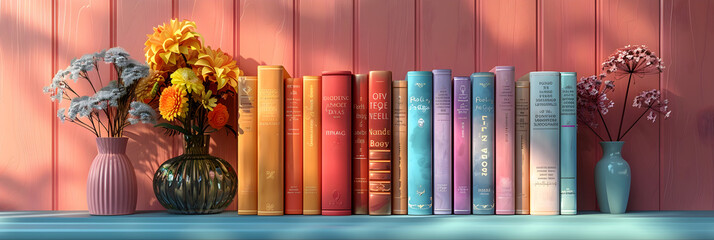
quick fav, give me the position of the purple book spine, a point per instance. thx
(442, 142)
(462, 145)
(505, 139)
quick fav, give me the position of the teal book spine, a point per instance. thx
(419, 144)
(545, 143)
(568, 143)
(483, 91)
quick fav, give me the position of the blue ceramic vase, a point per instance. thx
(612, 179)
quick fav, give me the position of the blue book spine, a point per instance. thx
(419, 144)
(483, 147)
(442, 142)
(545, 143)
(568, 144)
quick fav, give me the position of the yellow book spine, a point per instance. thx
(270, 140)
(312, 162)
(247, 147)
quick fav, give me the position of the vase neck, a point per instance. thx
(112, 145)
(196, 144)
(612, 148)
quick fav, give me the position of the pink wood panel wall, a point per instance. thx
(687, 139)
(671, 160)
(26, 122)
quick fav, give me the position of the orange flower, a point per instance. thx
(166, 44)
(173, 103)
(218, 117)
(218, 67)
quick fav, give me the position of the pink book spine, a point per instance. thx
(505, 142)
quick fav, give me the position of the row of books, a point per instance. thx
(343, 143)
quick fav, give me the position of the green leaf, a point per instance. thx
(171, 127)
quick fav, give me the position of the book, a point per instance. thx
(523, 147)
(420, 90)
(337, 134)
(545, 142)
(312, 151)
(293, 146)
(399, 147)
(504, 123)
(360, 150)
(462, 145)
(442, 142)
(247, 146)
(482, 105)
(380, 143)
(568, 143)
(270, 139)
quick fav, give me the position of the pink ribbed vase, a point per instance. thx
(111, 184)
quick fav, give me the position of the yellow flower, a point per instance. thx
(147, 87)
(166, 44)
(186, 79)
(173, 103)
(219, 67)
(208, 101)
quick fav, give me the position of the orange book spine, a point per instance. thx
(312, 152)
(270, 140)
(399, 147)
(293, 146)
(247, 147)
(360, 148)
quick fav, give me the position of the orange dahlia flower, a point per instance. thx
(165, 46)
(218, 117)
(173, 103)
(219, 67)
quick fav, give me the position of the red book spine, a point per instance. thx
(380, 143)
(336, 142)
(293, 146)
(360, 148)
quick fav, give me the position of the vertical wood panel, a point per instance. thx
(385, 36)
(267, 37)
(27, 114)
(507, 35)
(688, 136)
(446, 36)
(215, 22)
(325, 40)
(148, 146)
(82, 27)
(633, 22)
(566, 42)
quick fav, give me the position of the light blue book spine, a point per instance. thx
(545, 143)
(483, 148)
(568, 144)
(419, 144)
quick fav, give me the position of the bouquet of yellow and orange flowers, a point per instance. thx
(191, 81)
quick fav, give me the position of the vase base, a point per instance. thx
(111, 214)
(195, 212)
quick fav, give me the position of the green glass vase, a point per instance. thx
(612, 179)
(195, 182)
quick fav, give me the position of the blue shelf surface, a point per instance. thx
(228, 225)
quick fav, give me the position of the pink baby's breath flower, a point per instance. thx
(652, 101)
(632, 59)
(592, 99)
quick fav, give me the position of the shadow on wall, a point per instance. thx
(146, 156)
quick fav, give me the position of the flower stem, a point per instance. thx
(596, 134)
(624, 106)
(604, 124)
(633, 124)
